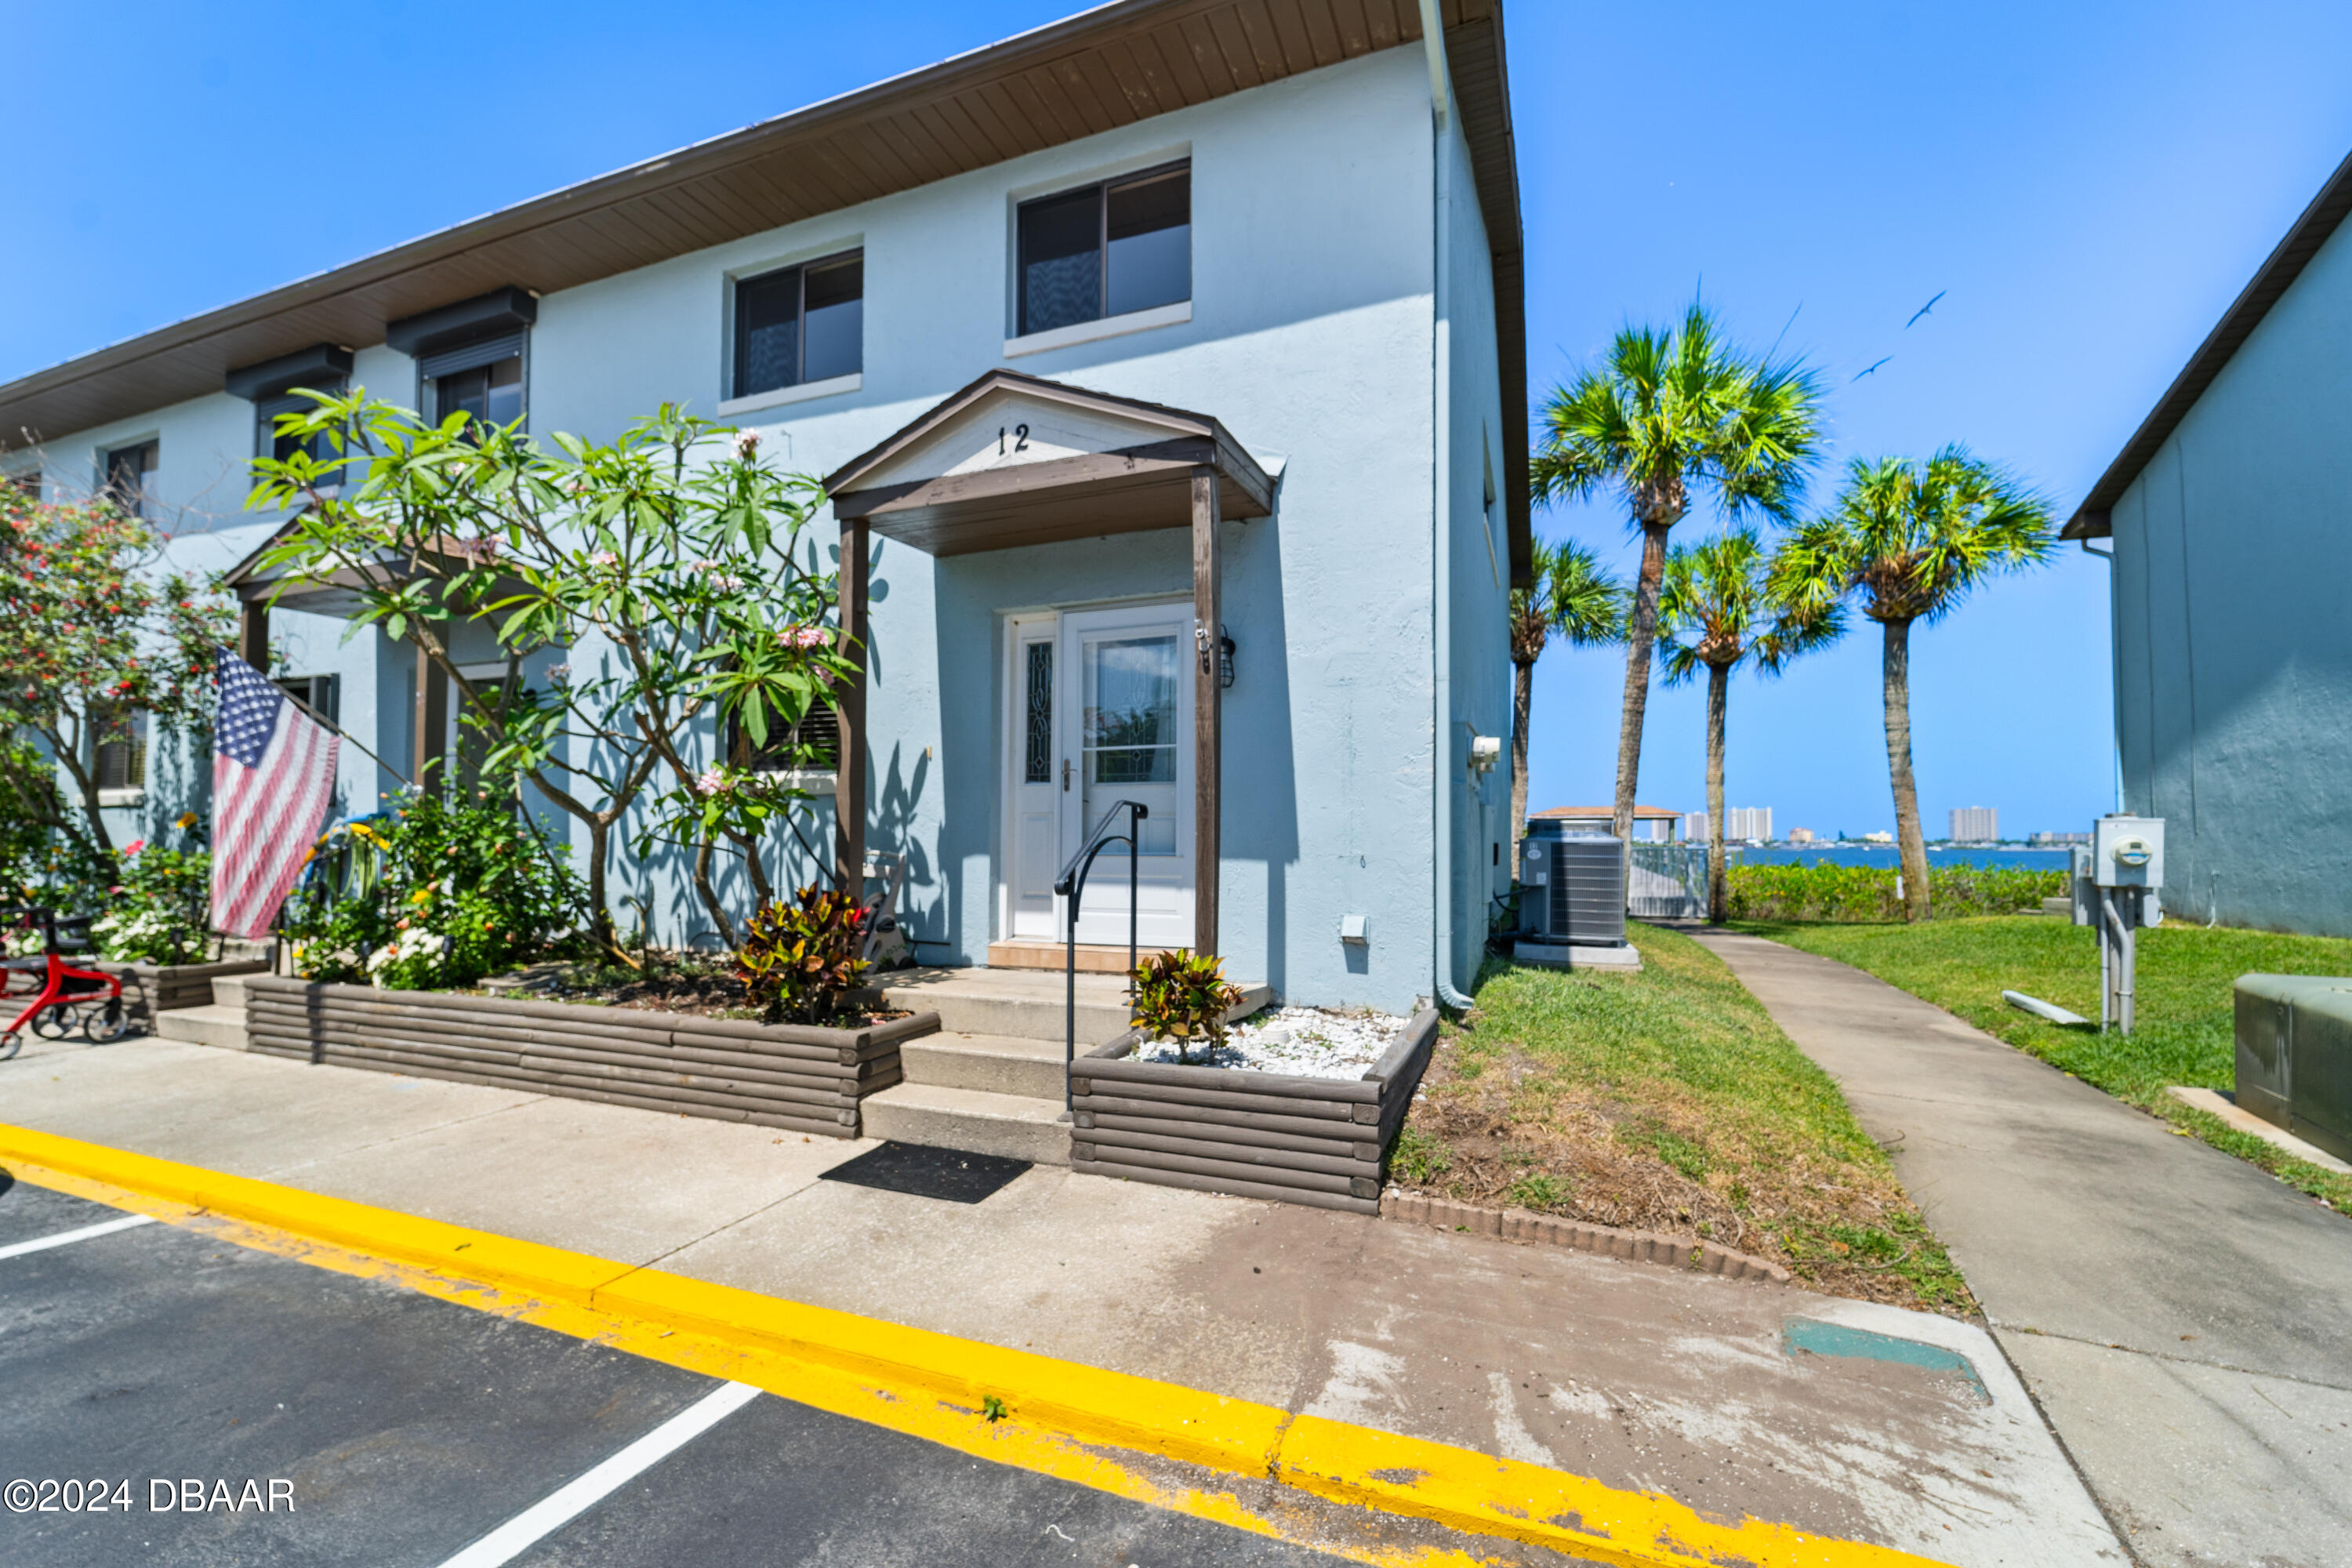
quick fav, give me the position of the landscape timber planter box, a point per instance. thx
(1315, 1141)
(776, 1075)
(152, 988)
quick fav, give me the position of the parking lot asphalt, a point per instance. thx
(196, 1402)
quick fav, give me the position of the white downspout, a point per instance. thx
(1441, 379)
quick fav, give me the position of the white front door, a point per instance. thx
(1102, 709)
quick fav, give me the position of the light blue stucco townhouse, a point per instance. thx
(2228, 517)
(1171, 356)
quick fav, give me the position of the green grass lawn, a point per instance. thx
(1667, 1100)
(2183, 1015)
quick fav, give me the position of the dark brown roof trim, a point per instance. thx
(2286, 264)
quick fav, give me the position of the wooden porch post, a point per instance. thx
(253, 634)
(849, 708)
(432, 733)
(1208, 717)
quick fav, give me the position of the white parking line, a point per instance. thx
(566, 1504)
(67, 1238)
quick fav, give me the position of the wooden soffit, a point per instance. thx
(1015, 459)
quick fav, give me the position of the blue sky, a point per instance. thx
(2089, 184)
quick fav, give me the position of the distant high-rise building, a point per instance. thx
(1801, 836)
(1740, 824)
(2055, 840)
(1975, 825)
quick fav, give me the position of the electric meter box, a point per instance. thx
(2128, 852)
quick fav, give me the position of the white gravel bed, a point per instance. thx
(1299, 1042)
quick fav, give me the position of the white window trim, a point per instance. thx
(831, 386)
(1103, 327)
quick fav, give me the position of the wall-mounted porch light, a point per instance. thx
(1224, 653)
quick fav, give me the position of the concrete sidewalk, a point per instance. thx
(2184, 1319)
(1736, 1398)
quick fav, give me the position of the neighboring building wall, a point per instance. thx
(1311, 337)
(2233, 671)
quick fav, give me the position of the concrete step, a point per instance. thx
(974, 1121)
(1023, 1003)
(217, 1025)
(228, 991)
(998, 1064)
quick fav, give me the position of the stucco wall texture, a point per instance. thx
(2233, 616)
(1315, 235)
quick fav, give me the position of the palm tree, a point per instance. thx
(1664, 413)
(1912, 539)
(1716, 611)
(1570, 593)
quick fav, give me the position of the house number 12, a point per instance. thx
(1020, 439)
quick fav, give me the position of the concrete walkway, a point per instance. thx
(2184, 1319)
(1734, 1396)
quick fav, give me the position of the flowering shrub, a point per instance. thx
(158, 911)
(433, 894)
(411, 961)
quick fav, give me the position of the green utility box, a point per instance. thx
(2295, 1056)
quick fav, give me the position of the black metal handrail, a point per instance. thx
(1071, 886)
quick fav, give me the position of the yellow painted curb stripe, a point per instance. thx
(935, 1386)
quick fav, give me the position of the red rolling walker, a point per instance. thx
(61, 994)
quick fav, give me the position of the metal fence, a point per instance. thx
(1667, 882)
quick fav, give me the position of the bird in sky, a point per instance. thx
(1859, 374)
(1922, 310)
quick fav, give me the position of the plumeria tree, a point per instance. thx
(1909, 540)
(92, 640)
(1716, 611)
(671, 568)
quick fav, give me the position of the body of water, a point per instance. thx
(1886, 855)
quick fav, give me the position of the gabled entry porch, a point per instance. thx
(1102, 701)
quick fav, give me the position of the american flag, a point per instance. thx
(273, 778)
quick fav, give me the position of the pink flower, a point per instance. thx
(804, 636)
(133, 847)
(713, 781)
(747, 446)
(604, 558)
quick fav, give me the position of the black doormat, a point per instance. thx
(949, 1174)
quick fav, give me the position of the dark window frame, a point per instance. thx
(265, 411)
(799, 271)
(1101, 191)
(139, 502)
(323, 694)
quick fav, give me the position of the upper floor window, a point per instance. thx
(283, 385)
(491, 392)
(1108, 249)
(800, 324)
(130, 477)
(472, 357)
(27, 482)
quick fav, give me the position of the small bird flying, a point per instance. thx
(1859, 374)
(1922, 310)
